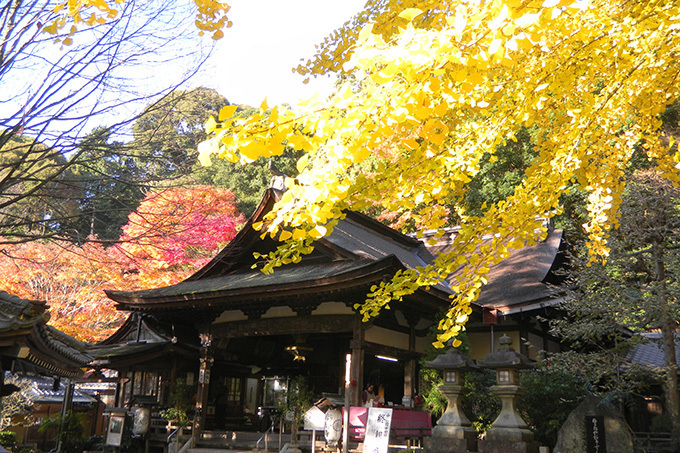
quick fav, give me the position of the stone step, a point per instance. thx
(232, 449)
(234, 441)
(246, 441)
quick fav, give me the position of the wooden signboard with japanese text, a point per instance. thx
(595, 437)
(378, 423)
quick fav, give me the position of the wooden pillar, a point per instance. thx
(203, 385)
(120, 389)
(357, 366)
(169, 388)
(2, 378)
(410, 377)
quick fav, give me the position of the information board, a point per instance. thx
(315, 419)
(378, 423)
(114, 433)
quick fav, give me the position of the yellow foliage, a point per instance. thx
(211, 16)
(441, 84)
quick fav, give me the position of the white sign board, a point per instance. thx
(377, 437)
(114, 434)
(315, 419)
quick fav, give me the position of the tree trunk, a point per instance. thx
(294, 428)
(668, 343)
(671, 382)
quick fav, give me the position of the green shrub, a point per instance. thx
(72, 437)
(480, 405)
(549, 399)
(661, 423)
(180, 403)
(8, 439)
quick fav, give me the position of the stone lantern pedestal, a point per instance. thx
(454, 432)
(509, 433)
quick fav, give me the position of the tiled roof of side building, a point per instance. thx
(17, 313)
(65, 345)
(651, 353)
(24, 323)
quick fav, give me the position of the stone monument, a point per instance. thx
(613, 435)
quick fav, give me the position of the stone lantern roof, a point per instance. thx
(452, 359)
(506, 357)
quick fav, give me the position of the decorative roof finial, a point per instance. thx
(278, 181)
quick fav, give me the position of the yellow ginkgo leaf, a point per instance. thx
(227, 112)
(410, 13)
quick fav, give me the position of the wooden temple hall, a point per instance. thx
(234, 335)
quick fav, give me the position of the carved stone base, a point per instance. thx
(453, 432)
(501, 440)
(450, 439)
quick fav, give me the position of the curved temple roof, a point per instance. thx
(360, 252)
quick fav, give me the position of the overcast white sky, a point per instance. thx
(268, 38)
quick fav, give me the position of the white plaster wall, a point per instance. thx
(279, 312)
(481, 343)
(386, 337)
(230, 315)
(422, 343)
(333, 308)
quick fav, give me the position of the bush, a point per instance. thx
(549, 399)
(94, 443)
(661, 423)
(8, 439)
(72, 437)
(481, 405)
(180, 403)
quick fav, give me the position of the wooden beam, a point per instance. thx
(284, 326)
(397, 353)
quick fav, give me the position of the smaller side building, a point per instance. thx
(30, 347)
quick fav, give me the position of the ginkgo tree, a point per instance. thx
(211, 16)
(430, 88)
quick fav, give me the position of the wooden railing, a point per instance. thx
(653, 442)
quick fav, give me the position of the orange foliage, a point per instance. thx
(70, 279)
(171, 235)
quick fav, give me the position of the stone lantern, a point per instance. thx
(509, 433)
(454, 431)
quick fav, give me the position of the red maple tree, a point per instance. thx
(172, 234)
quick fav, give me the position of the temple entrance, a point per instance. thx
(226, 394)
(387, 376)
(240, 394)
